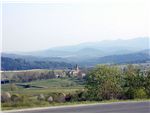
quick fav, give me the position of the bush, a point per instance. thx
(15, 98)
(24, 98)
(130, 93)
(140, 93)
(79, 96)
(60, 97)
(68, 97)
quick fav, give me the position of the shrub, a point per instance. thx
(15, 98)
(68, 97)
(79, 96)
(140, 93)
(129, 93)
(60, 97)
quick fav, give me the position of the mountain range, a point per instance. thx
(107, 51)
(95, 49)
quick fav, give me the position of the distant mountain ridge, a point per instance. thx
(13, 63)
(138, 57)
(95, 49)
(88, 54)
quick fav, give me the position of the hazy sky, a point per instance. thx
(29, 27)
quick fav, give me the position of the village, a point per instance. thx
(40, 74)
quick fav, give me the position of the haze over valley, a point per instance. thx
(119, 51)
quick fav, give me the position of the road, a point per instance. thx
(121, 107)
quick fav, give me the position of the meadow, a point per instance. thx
(56, 85)
(66, 85)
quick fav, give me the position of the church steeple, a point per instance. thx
(77, 68)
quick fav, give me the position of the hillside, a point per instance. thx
(25, 63)
(22, 64)
(138, 57)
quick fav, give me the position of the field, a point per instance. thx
(65, 85)
(59, 85)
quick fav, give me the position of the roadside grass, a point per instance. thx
(37, 104)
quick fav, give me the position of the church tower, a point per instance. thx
(77, 68)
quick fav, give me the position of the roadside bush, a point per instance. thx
(82, 96)
(140, 94)
(74, 97)
(24, 98)
(147, 84)
(60, 97)
(110, 89)
(129, 94)
(15, 98)
(68, 97)
(78, 96)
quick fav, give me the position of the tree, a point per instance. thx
(104, 82)
(147, 83)
(137, 82)
(134, 81)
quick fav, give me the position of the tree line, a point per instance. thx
(106, 82)
(28, 76)
(22, 64)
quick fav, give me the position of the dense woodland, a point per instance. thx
(105, 82)
(22, 64)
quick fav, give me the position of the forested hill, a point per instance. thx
(137, 57)
(22, 64)
(127, 58)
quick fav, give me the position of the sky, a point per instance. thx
(38, 26)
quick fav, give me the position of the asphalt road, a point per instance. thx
(121, 107)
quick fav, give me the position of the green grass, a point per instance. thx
(61, 85)
(46, 104)
(60, 82)
(65, 85)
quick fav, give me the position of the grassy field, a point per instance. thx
(65, 85)
(60, 85)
